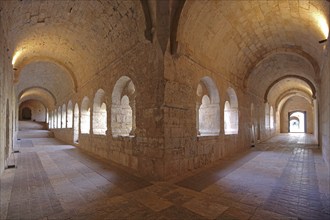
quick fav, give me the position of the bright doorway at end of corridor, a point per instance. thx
(297, 122)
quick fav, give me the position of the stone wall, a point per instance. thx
(91, 45)
(141, 151)
(7, 104)
(184, 149)
(324, 109)
(38, 110)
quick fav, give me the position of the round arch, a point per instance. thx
(310, 84)
(20, 66)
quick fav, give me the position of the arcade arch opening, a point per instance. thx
(297, 122)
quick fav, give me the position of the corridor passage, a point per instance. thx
(284, 178)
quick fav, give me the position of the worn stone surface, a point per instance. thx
(164, 87)
(284, 178)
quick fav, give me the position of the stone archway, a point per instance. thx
(26, 113)
(297, 122)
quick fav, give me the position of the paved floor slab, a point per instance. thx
(283, 178)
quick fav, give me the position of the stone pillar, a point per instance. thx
(316, 120)
(132, 105)
(198, 105)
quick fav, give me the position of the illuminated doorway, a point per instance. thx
(297, 122)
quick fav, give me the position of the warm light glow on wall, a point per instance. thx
(16, 55)
(323, 24)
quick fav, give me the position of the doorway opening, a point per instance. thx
(297, 122)
(26, 113)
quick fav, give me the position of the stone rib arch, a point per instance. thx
(310, 84)
(177, 8)
(35, 89)
(293, 92)
(21, 65)
(292, 51)
(282, 102)
(46, 75)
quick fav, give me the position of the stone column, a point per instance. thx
(132, 105)
(198, 105)
(316, 120)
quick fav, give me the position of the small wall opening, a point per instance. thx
(63, 116)
(69, 115)
(231, 113)
(271, 118)
(267, 119)
(123, 108)
(85, 116)
(59, 117)
(99, 113)
(76, 124)
(55, 119)
(297, 122)
(51, 119)
(207, 108)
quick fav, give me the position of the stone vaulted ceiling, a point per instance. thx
(257, 41)
(81, 37)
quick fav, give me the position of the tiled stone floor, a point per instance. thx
(283, 178)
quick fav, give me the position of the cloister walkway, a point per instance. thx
(283, 178)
